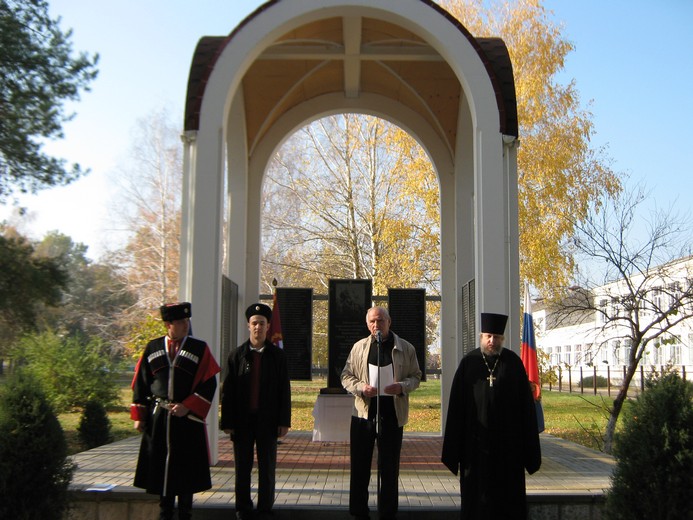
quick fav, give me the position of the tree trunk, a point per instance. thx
(617, 407)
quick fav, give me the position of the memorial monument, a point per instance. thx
(408, 61)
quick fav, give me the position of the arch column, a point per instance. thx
(200, 274)
(239, 129)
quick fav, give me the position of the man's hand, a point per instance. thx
(179, 410)
(370, 391)
(139, 426)
(393, 389)
(282, 431)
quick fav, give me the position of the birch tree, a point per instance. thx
(351, 196)
(343, 205)
(150, 207)
(561, 175)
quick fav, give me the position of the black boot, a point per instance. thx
(166, 507)
(185, 507)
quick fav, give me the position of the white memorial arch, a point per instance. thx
(408, 61)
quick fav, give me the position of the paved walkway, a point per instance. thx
(317, 473)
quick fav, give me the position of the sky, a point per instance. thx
(632, 66)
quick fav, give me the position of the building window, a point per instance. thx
(616, 345)
(626, 351)
(601, 313)
(657, 299)
(656, 353)
(674, 289)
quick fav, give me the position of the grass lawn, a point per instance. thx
(575, 417)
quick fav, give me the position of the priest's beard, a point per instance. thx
(491, 351)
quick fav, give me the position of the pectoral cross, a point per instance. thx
(490, 377)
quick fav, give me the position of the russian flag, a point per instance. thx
(275, 330)
(528, 353)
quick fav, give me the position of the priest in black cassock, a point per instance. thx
(491, 434)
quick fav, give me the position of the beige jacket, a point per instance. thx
(407, 373)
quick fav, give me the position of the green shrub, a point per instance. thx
(588, 382)
(94, 426)
(70, 370)
(34, 469)
(653, 477)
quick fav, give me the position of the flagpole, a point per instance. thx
(530, 358)
(275, 333)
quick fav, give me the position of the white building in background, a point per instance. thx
(585, 342)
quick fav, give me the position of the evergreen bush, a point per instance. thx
(653, 478)
(588, 382)
(94, 425)
(34, 468)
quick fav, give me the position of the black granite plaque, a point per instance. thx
(407, 309)
(348, 302)
(229, 321)
(296, 315)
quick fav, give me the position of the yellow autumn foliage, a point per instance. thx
(559, 172)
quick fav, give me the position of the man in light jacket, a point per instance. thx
(399, 375)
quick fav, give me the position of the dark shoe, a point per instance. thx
(165, 512)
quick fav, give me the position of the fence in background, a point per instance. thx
(603, 379)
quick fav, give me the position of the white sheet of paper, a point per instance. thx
(387, 377)
(100, 487)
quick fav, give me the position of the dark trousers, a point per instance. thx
(363, 438)
(245, 439)
(167, 504)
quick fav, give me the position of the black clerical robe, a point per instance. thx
(491, 435)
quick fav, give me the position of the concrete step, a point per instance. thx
(136, 506)
(313, 513)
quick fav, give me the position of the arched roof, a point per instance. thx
(353, 55)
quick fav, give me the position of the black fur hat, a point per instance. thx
(175, 311)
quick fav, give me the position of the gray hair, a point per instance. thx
(381, 309)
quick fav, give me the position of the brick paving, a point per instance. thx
(317, 473)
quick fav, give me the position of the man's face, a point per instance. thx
(377, 320)
(491, 343)
(258, 327)
(178, 329)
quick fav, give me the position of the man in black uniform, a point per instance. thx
(256, 410)
(173, 388)
(491, 432)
